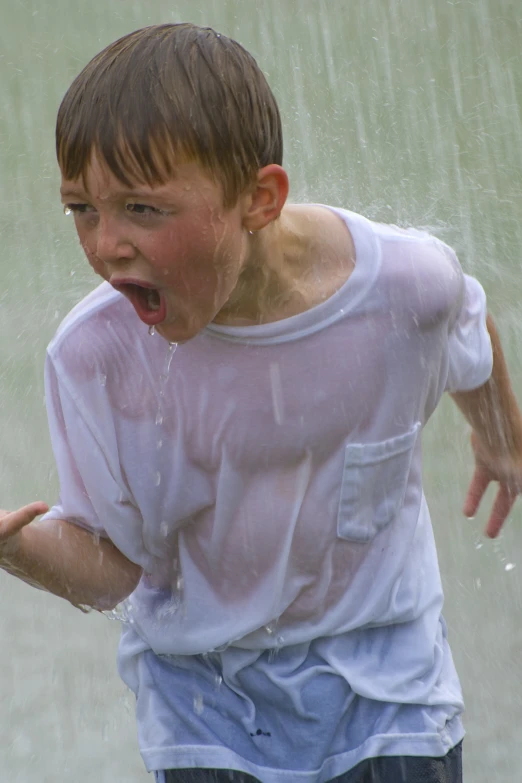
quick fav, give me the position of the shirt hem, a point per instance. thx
(215, 757)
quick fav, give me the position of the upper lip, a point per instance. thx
(119, 282)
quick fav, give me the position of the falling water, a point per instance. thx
(162, 389)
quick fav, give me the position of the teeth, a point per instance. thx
(153, 300)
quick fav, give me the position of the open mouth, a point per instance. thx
(148, 302)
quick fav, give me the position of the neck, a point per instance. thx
(293, 264)
(265, 283)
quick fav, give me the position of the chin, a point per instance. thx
(177, 335)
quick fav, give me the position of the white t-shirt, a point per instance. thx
(268, 481)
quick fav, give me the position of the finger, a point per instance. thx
(478, 485)
(14, 521)
(501, 508)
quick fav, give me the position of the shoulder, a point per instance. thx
(97, 336)
(102, 354)
(92, 310)
(420, 272)
(415, 252)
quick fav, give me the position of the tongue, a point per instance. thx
(149, 304)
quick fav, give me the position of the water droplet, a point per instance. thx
(164, 527)
(157, 479)
(102, 378)
(152, 331)
(159, 444)
(509, 566)
(120, 613)
(67, 211)
(478, 545)
(159, 418)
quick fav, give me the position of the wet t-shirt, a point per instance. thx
(268, 481)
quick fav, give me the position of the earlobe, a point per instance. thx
(267, 198)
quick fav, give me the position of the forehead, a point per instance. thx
(99, 182)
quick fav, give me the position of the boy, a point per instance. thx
(248, 479)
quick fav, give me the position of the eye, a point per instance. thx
(142, 209)
(145, 210)
(77, 209)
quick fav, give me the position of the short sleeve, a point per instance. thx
(470, 352)
(93, 493)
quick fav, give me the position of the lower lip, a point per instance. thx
(149, 317)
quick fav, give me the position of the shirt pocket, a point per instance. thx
(375, 477)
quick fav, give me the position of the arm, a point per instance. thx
(64, 559)
(495, 417)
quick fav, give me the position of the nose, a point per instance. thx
(113, 245)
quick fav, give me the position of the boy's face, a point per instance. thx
(173, 250)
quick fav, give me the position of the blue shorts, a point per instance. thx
(385, 769)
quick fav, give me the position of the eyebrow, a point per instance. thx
(134, 194)
(65, 193)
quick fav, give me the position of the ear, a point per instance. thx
(267, 197)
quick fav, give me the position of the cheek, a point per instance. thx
(91, 256)
(88, 248)
(85, 245)
(198, 256)
(188, 250)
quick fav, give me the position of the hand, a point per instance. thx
(507, 471)
(12, 522)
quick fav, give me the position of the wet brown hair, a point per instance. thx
(168, 93)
